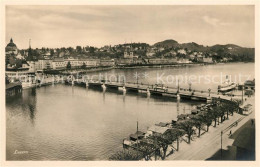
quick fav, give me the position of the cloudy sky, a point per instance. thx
(58, 26)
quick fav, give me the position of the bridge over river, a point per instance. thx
(152, 89)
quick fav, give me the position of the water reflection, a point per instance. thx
(104, 96)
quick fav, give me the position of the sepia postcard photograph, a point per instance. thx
(129, 81)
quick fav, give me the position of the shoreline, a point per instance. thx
(97, 69)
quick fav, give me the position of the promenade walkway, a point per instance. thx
(210, 142)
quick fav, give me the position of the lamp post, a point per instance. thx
(189, 86)
(178, 86)
(221, 145)
(242, 94)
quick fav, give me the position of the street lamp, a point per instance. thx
(189, 86)
(178, 86)
(242, 94)
(221, 145)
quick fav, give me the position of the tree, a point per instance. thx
(173, 135)
(146, 147)
(187, 126)
(91, 49)
(160, 141)
(69, 65)
(206, 117)
(78, 49)
(52, 52)
(198, 122)
(232, 106)
(221, 112)
(83, 66)
(215, 114)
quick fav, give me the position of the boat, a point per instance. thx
(226, 86)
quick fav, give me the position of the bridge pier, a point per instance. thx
(148, 92)
(178, 96)
(122, 89)
(104, 87)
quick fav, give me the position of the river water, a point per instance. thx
(60, 122)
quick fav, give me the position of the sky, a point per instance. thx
(65, 26)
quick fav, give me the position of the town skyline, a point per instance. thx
(97, 25)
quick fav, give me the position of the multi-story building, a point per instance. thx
(58, 63)
(45, 64)
(183, 60)
(33, 66)
(207, 60)
(107, 62)
(128, 54)
(125, 61)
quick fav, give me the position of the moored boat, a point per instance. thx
(226, 86)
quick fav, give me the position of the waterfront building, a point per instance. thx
(33, 66)
(12, 89)
(125, 61)
(73, 62)
(137, 60)
(22, 76)
(249, 84)
(61, 63)
(183, 60)
(106, 62)
(199, 58)
(58, 63)
(159, 61)
(89, 62)
(172, 60)
(207, 60)
(45, 64)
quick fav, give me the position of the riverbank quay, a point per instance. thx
(160, 65)
(189, 133)
(209, 143)
(136, 66)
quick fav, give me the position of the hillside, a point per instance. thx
(170, 43)
(237, 53)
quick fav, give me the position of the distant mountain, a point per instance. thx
(238, 53)
(233, 50)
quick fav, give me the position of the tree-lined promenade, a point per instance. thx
(186, 128)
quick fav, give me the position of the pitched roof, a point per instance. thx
(158, 129)
(11, 85)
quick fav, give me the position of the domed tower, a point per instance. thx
(11, 48)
